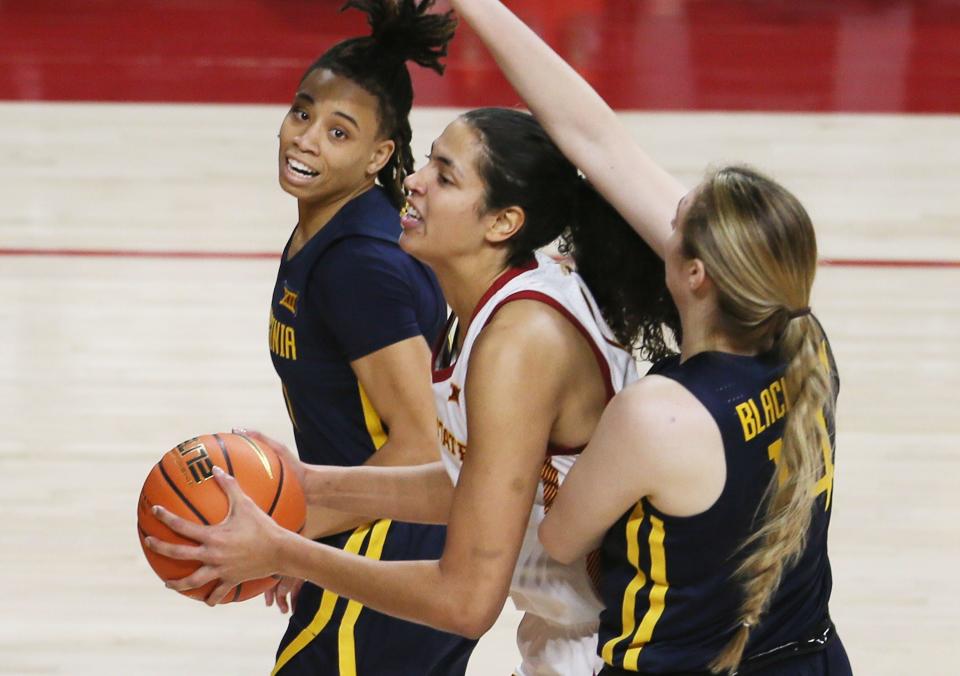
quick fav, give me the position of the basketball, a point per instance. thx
(182, 482)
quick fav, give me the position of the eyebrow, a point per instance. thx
(445, 161)
(339, 113)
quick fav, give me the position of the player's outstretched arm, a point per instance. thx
(339, 498)
(465, 590)
(396, 381)
(579, 121)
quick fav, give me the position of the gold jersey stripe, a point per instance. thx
(372, 420)
(628, 617)
(658, 593)
(286, 400)
(327, 603)
(348, 650)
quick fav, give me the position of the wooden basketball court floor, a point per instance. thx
(129, 322)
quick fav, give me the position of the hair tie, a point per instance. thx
(802, 312)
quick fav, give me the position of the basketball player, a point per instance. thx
(710, 482)
(348, 323)
(527, 366)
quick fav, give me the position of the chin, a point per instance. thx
(411, 246)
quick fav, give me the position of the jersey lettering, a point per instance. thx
(283, 339)
(773, 406)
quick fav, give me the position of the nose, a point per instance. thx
(308, 140)
(414, 182)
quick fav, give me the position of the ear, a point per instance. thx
(697, 279)
(506, 224)
(381, 155)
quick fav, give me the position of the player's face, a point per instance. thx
(328, 139)
(443, 218)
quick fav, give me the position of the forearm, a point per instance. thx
(579, 121)
(551, 88)
(419, 591)
(424, 494)
(349, 496)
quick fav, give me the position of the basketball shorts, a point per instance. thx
(328, 634)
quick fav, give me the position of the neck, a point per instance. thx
(315, 215)
(465, 281)
(701, 334)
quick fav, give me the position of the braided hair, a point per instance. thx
(401, 31)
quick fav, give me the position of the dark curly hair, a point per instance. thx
(521, 166)
(401, 31)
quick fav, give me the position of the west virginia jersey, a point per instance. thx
(349, 292)
(557, 635)
(671, 599)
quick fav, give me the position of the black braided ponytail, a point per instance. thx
(401, 31)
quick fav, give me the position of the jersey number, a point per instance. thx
(825, 483)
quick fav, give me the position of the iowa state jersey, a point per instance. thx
(348, 292)
(671, 599)
(562, 593)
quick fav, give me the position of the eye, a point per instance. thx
(338, 133)
(441, 179)
(299, 113)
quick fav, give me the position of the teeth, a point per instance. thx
(300, 167)
(411, 211)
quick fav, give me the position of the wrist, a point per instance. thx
(315, 477)
(278, 544)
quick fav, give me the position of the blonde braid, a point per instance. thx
(789, 496)
(759, 248)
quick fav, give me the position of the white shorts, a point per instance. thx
(549, 649)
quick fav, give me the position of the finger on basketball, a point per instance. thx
(181, 526)
(229, 486)
(195, 580)
(173, 551)
(218, 594)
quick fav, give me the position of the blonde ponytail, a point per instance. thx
(758, 246)
(789, 499)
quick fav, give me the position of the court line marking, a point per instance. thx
(271, 255)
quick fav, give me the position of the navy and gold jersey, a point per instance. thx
(671, 601)
(348, 292)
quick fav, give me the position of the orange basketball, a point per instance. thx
(182, 482)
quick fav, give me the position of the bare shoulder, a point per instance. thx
(529, 326)
(662, 417)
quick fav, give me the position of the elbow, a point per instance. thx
(473, 624)
(553, 542)
(472, 613)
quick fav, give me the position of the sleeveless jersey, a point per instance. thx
(671, 599)
(562, 593)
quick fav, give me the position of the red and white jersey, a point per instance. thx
(563, 594)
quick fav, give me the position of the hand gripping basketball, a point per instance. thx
(239, 548)
(257, 479)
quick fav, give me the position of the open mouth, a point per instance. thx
(409, 216)
(300, 169)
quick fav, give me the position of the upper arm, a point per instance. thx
(512, 393)
(370, 303)
(629, 455)
(396, 379)
(641, 191)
